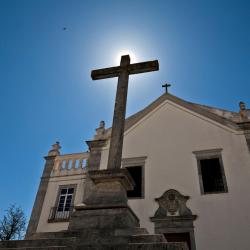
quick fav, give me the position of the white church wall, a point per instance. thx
(51, 197)
(68, 170)
(167, 137)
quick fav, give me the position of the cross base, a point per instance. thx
(107, 187)
(97, 217)
(105, 207)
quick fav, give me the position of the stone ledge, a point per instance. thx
(131, 246)
(147, 238)
(38, 243)
(174, 218)
(110, 175)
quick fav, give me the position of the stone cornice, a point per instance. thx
(96, 144)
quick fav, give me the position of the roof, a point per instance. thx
(227, 118)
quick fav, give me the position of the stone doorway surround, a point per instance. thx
(173, 216)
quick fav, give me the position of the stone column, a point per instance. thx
(37, 208)
(95, 148)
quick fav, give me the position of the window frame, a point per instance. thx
(206, 155)
(59, 193)
(55, 207)
(136, 162)
(65, 199)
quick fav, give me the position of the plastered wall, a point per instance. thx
(50, 199)
(167, 137)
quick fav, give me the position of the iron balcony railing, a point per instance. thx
(57, 215)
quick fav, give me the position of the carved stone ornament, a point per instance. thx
(172, 203)
(55, 149)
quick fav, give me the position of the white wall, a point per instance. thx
(50, 199)
(168, 136)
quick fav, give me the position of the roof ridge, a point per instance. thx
(230, 119)
(211, 107)
(198, 108)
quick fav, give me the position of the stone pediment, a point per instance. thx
(174, 217)
(172, 203)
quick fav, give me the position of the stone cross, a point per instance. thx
(122, 72)
(166, 86)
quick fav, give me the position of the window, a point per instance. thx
(136, 173)
(65, 199)
(64, 204)
(211, 171)
(211, 175)
(135, 167)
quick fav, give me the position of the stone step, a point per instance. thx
(37, 243)
(136, 246)
(70, 234)
(147, 238)
(130, 246)
(131, 231)
(158, 246)
(39, 248)
(53, 235)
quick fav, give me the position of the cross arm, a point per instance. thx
(105, 73)
(143, 67)
(135, 68)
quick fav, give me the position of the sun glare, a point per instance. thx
(125, 52)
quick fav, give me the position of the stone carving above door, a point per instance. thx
(172, 203)
(173, 216)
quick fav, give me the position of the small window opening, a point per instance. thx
(136, 173)
(212, 176)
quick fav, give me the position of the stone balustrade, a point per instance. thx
(70, 164)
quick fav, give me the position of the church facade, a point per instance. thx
(191, 167)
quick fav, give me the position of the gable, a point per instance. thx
(223, 117)
(169, 116)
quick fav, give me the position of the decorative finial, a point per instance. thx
(244, 112)
(55, 149)
(166, 86)
(242, 106)
(100, 131)
(102, 124)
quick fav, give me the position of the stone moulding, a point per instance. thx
(111, 175)
(174, 218)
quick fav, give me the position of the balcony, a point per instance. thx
(60, 216)
(70, 164)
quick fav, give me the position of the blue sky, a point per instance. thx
(47, 95)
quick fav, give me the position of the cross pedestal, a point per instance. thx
(105, 209)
